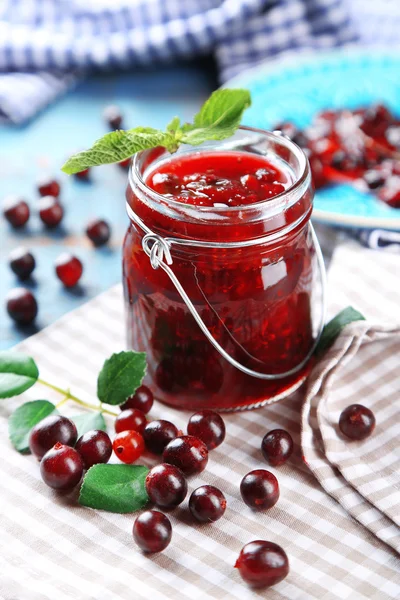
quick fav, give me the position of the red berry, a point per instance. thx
(262, 564)
(48, 187)
(125, 164)
(69, 269)
(277, 447)
(94, 447)
(113, 117)
(157, 434)
(259, 489)
(208, 426)
(357, 422)
(50, 211)
(166, 485)
(22, 263)
(49, 431)
(83, 175)
(128, 446)
(98, 232)
(207, 504)
(21, 305)
(188, 453)
(152, 531)
(61, 467)
(142, 399)
(16, 211)
(131, 418)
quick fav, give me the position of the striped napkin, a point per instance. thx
(53, 548)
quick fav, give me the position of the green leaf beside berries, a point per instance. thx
(18, 373)
(88, 421)
(334, 327)
(218, 119)
(24, 418)
(120, 377)
(115, 488)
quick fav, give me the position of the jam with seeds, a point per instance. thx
(255, 299)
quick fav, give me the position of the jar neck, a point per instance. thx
(281, 215)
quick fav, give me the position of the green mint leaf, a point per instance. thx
(119, 145)
(335, 326)
(24, 418)
(116, 488)
(88, 421)
(174, 125)
(120, 376)
(219, 116)
(18, 373)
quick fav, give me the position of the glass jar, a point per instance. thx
(230, 323)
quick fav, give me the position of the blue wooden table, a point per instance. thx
(145, 98)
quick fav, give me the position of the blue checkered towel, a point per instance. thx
(44, 44)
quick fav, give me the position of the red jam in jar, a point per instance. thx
(242, 207)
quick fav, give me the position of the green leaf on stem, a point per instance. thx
(88, 421)
(18, 373)
(24, 418)
(335, 326)
(120, 376)
(115, 488)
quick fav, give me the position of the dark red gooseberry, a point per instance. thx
(262, 564)
(259, 489)
(208, 426)
(61, 467)
(50, 211)
(22, 263)
(131, 418)
(157, 434)
(49, 431)
(16, 211)
(357, 422)
(277, 447)
(21, 306)
(98, 232)
(188, 453)
(142, 399)
(48, 187)
(166, 485)
(94, 447)
(207, 504)
(152, 531)
(112, 116)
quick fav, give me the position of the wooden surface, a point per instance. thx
(146, 98)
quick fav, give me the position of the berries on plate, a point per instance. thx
(49, 431)
(131, 418)
(208, 426)
(277, 447)
(142, 399)
(98, 232)
(94, 447)
(128, 446)
(207, 504)
(16, 211)
(50, 211)
(157, 434)
(259, 489)
(357, 422)
(22, 263)
(48, 187)
(262, 564)
(166, 485)
(21, 306)
(152, 531)
(69, 269)
(61, 467)
(188, 453)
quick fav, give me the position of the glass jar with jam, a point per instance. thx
(220, 270)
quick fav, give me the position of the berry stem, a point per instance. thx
(69, 396)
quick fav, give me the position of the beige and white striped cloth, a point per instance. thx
(51, 548)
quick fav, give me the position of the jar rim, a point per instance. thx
(294, 191)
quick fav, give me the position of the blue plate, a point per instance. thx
(297, 87)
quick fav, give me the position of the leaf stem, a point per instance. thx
(69, 396)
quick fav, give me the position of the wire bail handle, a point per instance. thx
(158, 249)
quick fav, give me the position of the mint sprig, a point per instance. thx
(218, 118)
